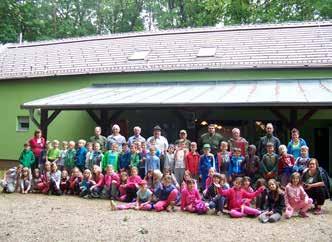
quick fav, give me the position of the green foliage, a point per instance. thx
(49, 19)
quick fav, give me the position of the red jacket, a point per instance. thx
(189, 198)
(99, 180)
(285, 162)
(192, 162)
(133, 181)
(108, 179)
(236, 197)
(37, 147)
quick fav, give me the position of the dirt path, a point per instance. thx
(36, 217)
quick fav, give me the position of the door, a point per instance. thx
(322, 147)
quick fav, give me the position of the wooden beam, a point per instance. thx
(94, 116)
(32, 117)
(114, 116)
(43, 122)
(306, 117)
(53, 116)
(279, 115)
(293, 118)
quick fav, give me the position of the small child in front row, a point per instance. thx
(132, 184)
(36, 178)
(166, 195)
(212, 196)
(301, 162)
(246, 185)
(191, 200)
(64, 182)
(55, 180)
(275, 203)
(86, 183)
(25, 181)
(296, 199)
(237, 197)
(74, 181)
(111, 183)
(44, 185)
(69, 159)
(98, 178)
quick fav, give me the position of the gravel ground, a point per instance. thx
(36, 217)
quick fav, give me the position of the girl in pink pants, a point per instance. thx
(237, 197)
(296, 199)
(166, 194)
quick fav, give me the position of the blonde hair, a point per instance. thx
(282, 148)
(82, 141)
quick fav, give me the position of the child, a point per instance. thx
(27, 158)
(80, 156)
(191, 200)
(275, 203)
(69, 159)
(111, 158)
(149, 178)
(236, 197)
(36, 178)
(55, 180)
(89, 154)
(53, 154)
(122, 186)
(74, 181)
(246, 186)
(179, 161)
(61, 161)
(132, 185)
(174, 181)
(209, 179)
(97, 156)
(134, 156)
(124, 158)
(236, 164)
(166, 195)
(192, 160)
(169, 158)
(296, 199)
(86, 184)
(25, 181)
(98, 179)
(301, 162)
(223, 158)
(261, 198)
(205, 163)
(251, 164)
(152, 162)
(111, 183)
(10, 181)
(156, 182)
(43, 156)
(269, 163)
(44, 185)
(64, 182)
(142, 153)
(216, 201)
(285, 165)
(144, 196)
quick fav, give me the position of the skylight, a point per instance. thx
(139, 55)
(207, 52)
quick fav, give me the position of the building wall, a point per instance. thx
(77, 124)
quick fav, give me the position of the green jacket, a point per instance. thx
(70, 159)
(110, 158)
(134, 160)
(27, 158)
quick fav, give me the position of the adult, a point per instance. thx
(137, 136)
(238, 142)
(183, 136)
(98, 138)
(115, 138)
(37, 144)
(314, 185)
(295, 144)
(212, 138)
(268, 138)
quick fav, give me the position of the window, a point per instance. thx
(22, 123)
(207, 52)
(139, 55)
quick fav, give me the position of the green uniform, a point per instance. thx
(213, 140)
(101, 140)
(53, 154)
(27, 158)
(134, 160)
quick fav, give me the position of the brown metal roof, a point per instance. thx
(298, 45)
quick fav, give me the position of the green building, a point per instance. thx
(236, 76)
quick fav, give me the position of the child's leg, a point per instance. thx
(213, 204)
(113, 191)
(275, 217)
(304, 207)
(126, 206)
(289, 212)
(172, 197)
(160, 206)
(236, 213)
(263, 217)
(146, 207)
(251, 211)
(191, 208)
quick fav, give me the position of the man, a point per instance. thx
(183, 136)
(212, 138)
(238, 142)
(136, 137)
(98, 138)
(268, 138)
(115, 137)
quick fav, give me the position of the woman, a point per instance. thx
(37, 144)
(314, 185)
(115, 137)
(295, 144)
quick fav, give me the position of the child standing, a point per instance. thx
(275, 203)
(27, 158)
(169, 158)
(236, 199)
(179, 161)
(124, 158)
(296, 199)
(69, 159)
(223, 158)
(236, 164)
(205, 163)
(53, 154)
(192, 160)
(25, 180)
(80, 156)
(191, 200)
(42, 159)
(166, 195)
(142, 153)
(251, 164)
(97, 156)
(89, 155)
(61, 161)
(269, 163)
(134, 157)
(285, 165)
(301, 162)
(111, 158)
(152, 162)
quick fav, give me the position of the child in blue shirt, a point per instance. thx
(152, 161)
(80, 156)
(205, 163)
(235, 168)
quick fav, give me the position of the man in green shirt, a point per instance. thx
(98, 138)
(212, 138)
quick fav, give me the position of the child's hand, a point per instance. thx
(114, 181)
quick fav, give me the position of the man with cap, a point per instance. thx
(183, 136)
(161, 144)
(212, 138)
(268, 138)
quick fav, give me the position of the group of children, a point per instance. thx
(229, 182)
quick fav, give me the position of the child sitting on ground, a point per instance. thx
(236, 199)
(44, 185)
(212, 196)
(275, 203)
(98, 178)
(209, 179)
(191, 200)
(55, 180)
(261, 199)
(166, 195)
(10, 180)
(122, 186)
(246, 185)
(64, 182)
(86, 184)
(296, 199)
(111, 183)
(25, 181)
(36, 178)
(132, 185)
(74, 181)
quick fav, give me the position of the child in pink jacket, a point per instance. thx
(237, 198)
(191, 200)
(296, 199)
(111, 183)
(132, 185)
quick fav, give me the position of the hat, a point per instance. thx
(157, 127)
(183, 131)
(142, 183)
(206, 146)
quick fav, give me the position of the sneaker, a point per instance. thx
(303, 214)
(113, 205)
(318, 211)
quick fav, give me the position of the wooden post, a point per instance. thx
(104, 122)
(44, 122)
(293, 118)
